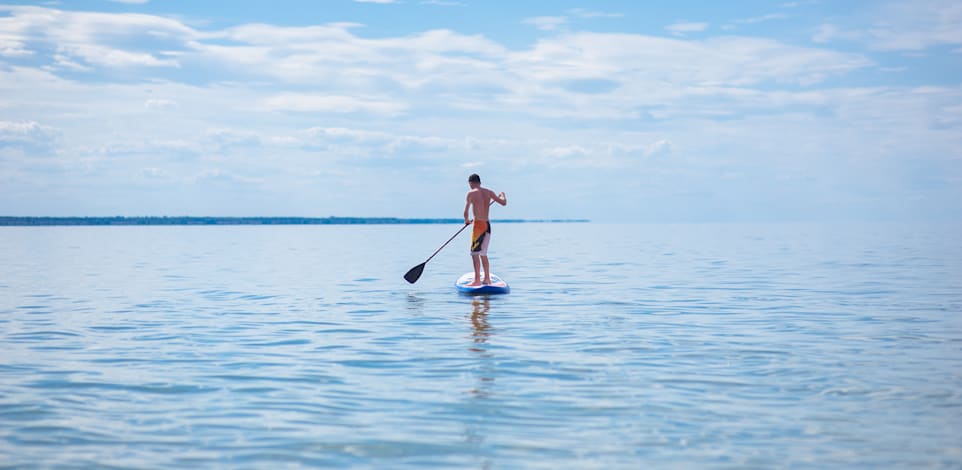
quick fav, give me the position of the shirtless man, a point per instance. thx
(479, 199)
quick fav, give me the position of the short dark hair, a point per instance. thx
(474, 178)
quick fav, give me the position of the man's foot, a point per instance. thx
(487, 282)
(476, 283)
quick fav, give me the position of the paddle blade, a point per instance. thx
(414, 274)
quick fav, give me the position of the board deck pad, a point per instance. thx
(497, 286)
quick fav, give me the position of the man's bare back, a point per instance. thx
(480, 199)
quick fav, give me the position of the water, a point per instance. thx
(620, 346)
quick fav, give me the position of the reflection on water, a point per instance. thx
(415, 304)
(480, 306)
(474, 433)
(481, 334)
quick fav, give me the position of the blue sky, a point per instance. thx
(608, 110)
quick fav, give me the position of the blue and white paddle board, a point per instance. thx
(497, 286)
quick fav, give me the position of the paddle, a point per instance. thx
(414, 273)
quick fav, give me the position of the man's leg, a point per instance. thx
(487, 269)
(477, 265)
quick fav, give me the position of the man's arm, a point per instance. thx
(500, 198)
(467, 204)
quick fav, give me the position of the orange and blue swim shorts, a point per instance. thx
(480, 237)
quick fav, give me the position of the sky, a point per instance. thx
(682, 111)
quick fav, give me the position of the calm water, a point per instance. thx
(620, 346)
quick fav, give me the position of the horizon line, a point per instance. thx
(11, 221)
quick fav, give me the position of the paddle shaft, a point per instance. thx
(446, 243)
(449, 240)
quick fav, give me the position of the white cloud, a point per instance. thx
(902, 26)
(571, 151)
(336, 71)
(610, 155)
(13, 48)
(762, 19)
(798, 4)
(558, 23)
(220, 176)
(332, 104)
(332, 55)
(585, 13)
(655, 71)
(679, 29)
(159, 104)
(28, 135)
(346, 133)
(79, 39)
(63, 62)
(154, 173)
(113, 57)
(658, 148)
(547, 23)
(354, 141)
(826, 33)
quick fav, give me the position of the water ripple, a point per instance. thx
(681, 346)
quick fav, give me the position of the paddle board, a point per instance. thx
(497, 286)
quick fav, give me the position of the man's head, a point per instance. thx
(474, 180)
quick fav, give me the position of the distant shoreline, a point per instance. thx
(7, 221)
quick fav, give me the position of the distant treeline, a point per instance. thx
(31, 221)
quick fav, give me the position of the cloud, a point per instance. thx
(332, 55)
(902, 26)
(331, 69)
(571, 151)
(679, 29)
(585, 13)
(160, 104)
(63, 62)
(788, 5)
(112, 57)
(154, 173)
(547, 23)
(654, 72)
(222, 177)
(762, 19)
(83, 39)
(827, 33)
(558, 23)
(335, 69)
(13, 48)
(29, 136)
(348, 134)
(658, 148)
(332, 104)
(367, 142)
(610, 154)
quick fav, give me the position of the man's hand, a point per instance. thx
(468, 221)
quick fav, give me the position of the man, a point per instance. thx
(478, 199)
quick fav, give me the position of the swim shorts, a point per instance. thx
(480, 237)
